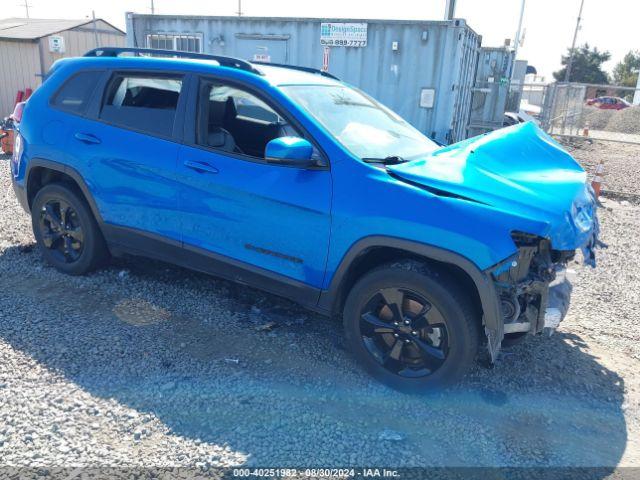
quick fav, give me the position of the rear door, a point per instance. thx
(129, 149)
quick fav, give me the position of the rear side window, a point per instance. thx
(75, 93)
(142, 102)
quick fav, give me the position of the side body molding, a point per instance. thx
(492, 317)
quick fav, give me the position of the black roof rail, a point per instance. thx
(222, 60)
(296, 67)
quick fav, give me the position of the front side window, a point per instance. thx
(76, 93)
(236, 121)
(141, 102)
(363, 126)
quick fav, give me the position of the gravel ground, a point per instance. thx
(144, 364)
(603, 135)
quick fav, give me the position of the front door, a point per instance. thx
(271, 218)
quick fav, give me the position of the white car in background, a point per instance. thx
(527, 113)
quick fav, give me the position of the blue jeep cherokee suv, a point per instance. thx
(287, 179)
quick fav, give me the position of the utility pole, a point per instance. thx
(26, 7)
(153, 8)
(517, 41)
(95, 27)
(239, 12)
(567, 74)
(449, 9)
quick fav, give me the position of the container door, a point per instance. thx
(262, 48)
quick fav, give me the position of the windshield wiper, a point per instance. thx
(390, 160)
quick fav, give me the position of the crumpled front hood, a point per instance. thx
(520, 170)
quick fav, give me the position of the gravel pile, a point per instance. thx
(597, 117)
(626, 120)
(144, 364)
(621, 163)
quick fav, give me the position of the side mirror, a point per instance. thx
(291, 151)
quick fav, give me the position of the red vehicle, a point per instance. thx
(608, 103)
(7, 126)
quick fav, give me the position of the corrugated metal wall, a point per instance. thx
(79, 40)
(24, 61)
(20, 63)
(515, 89)
(440, 55)
(491, 90)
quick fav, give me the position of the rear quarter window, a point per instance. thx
(145, 103)
(74, 95)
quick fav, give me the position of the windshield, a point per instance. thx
(362, 125)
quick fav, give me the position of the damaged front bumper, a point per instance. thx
(558, 299)
(534, 287)
(550, 306)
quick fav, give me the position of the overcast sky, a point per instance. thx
(609, 24)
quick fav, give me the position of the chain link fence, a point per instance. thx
(604, 112)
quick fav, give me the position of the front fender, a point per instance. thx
(491, 312)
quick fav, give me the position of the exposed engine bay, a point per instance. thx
(534, 287)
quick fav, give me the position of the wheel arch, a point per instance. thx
(41, 172)
(373, 251)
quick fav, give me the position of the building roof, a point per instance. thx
(34, 28)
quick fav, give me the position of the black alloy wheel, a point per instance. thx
(412, 327)
(61, 230)
(66, 231)
(404, 332)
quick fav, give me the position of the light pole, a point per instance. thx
(517, 41)
(567, 74)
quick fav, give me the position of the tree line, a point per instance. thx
(587, 63)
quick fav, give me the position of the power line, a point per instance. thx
(567, 73)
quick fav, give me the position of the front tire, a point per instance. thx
(411, 327)
(66, 232)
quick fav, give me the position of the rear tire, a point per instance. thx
(66, 232)
(412, 328)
